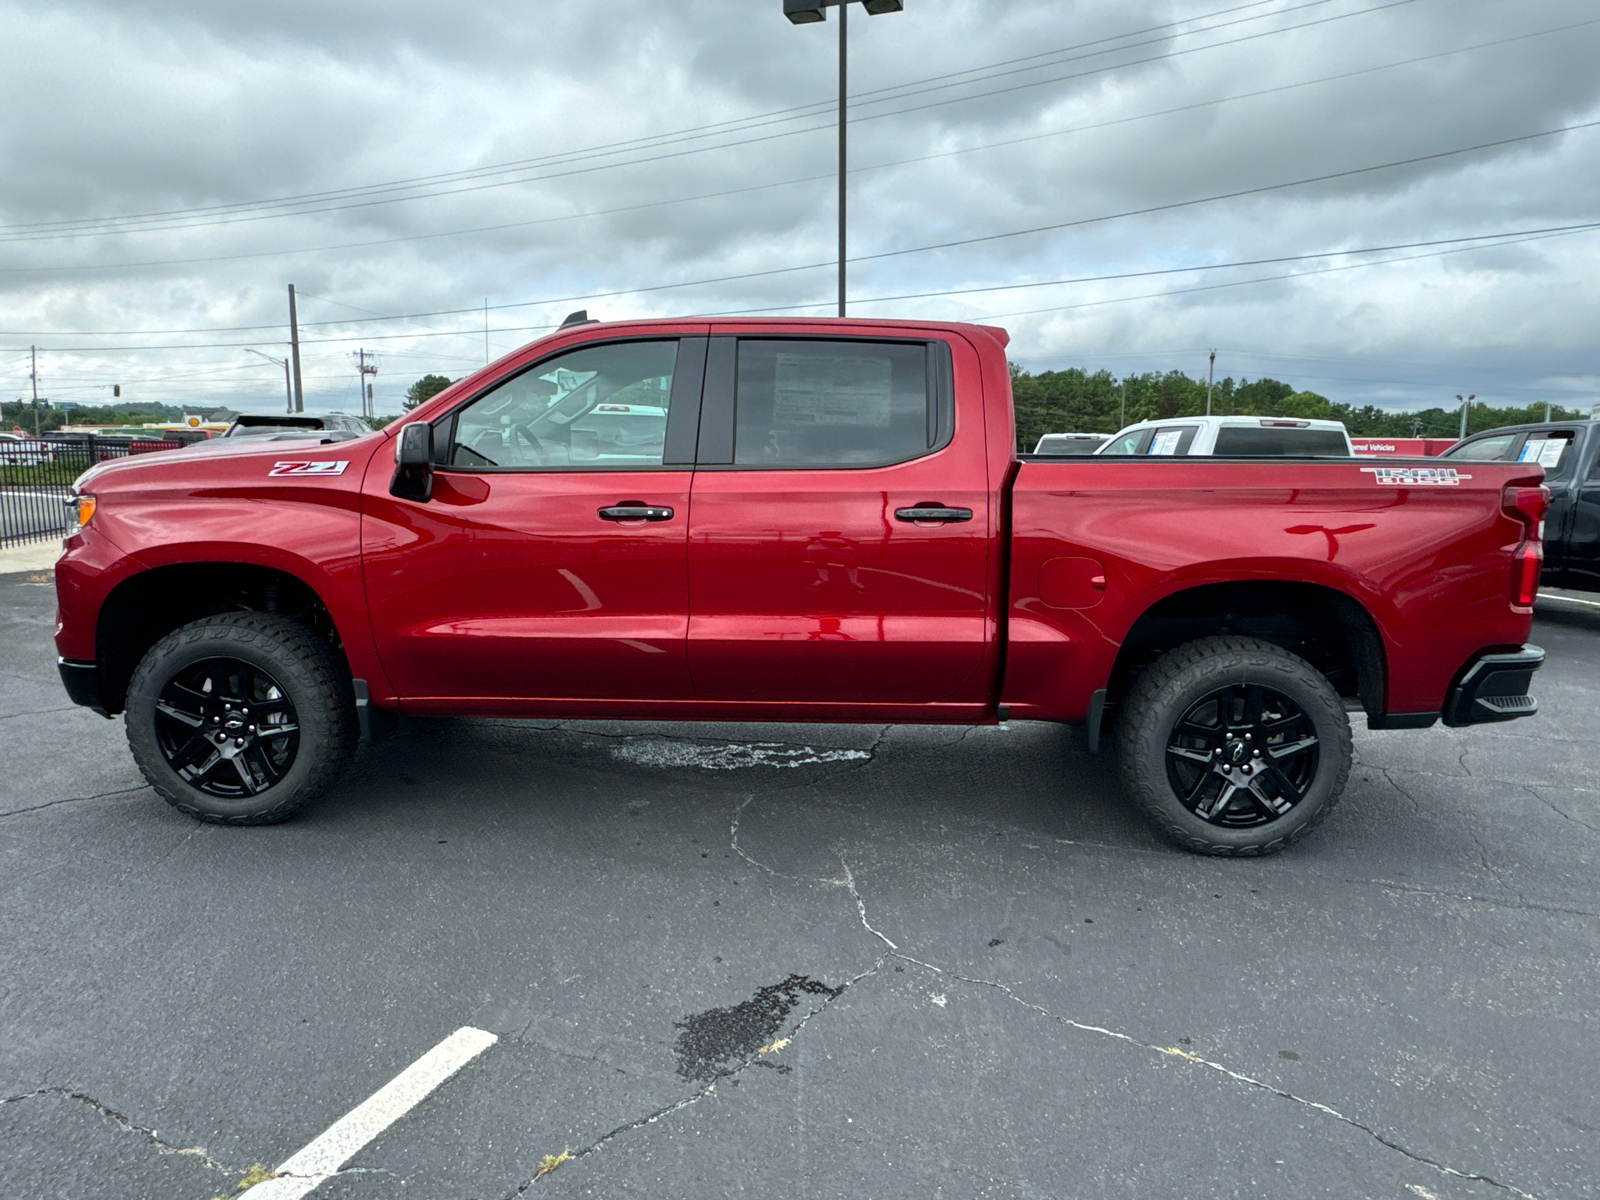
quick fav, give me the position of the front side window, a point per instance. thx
(598, 407)
(1128, 443)
(832, 404)
(1484, 449)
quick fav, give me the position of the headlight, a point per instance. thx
(82, 508)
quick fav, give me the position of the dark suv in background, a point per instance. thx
(1570, 454)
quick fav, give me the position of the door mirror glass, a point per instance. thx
(413, 472)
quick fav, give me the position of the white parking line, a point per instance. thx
(307, 1168)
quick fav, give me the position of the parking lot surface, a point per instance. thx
(802, 962)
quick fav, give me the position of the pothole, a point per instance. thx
(731, 756)
(714, 1041)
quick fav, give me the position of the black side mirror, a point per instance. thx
(413, 457)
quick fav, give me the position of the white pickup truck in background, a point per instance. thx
(1232, 437)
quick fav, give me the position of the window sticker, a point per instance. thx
(819, 389)
(1545, 451)
(321, 467)
(1166, 441)
(1415, 476)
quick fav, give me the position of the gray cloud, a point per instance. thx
(135, 108)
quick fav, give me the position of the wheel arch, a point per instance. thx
(1327, 627)
(145, 607)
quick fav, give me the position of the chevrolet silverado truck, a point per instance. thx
(793, 520)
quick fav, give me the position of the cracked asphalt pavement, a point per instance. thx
(801, 961)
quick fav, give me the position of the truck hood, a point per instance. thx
(282, 445)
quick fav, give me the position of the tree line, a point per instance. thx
(1077, 401)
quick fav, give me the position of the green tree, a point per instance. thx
(1076, 401)
(425, 389)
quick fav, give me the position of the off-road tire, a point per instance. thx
(1180, 678)
(310, 671)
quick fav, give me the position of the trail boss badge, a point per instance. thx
(1423, 476)
(325, 467)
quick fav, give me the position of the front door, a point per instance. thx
(839, 538)
(549, 562)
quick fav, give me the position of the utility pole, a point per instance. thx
(1211, 375)
(364, 389)
(1466, 404)
(844, 158)
(33, 374)
(1122, 412)
(809, 12)
(294, 353)
(486, 331)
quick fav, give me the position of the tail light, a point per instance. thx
(1527, 505)
(1525, 574)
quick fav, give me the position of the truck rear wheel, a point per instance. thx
(241, 719)
(1234, 746)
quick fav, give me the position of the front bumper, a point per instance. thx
(1494, 687)
(82, 681)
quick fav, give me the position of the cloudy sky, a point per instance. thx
(1122, 183)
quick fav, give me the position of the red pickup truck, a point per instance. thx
(795, 520)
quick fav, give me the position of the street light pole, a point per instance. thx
(809, 12)
(288, 387)
(1466, 404)
(1211, 375)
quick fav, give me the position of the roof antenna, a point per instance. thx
(581, 317)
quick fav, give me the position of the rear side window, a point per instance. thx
(1552, 450)
(1236, 441)
(833, 403)
(1484, 449)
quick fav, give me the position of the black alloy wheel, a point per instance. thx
(1242, 756)
(1233, 745)
(241, 718)
(226, 727)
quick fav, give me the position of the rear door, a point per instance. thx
(550, 562)
(1581, 545)
(840, 527)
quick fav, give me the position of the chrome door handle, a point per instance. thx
(932, 512)
(634, 511)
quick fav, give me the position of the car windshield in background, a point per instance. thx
(1235, 441)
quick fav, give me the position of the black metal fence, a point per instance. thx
(36, 476)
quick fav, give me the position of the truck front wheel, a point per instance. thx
(1233, 745)
(241, 719)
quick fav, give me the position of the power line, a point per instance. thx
(790, 182)
(976, 240)
(632, 143)
(16, 237)
(1493, 240)
(1214, 287)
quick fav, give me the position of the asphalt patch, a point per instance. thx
(715, 1041)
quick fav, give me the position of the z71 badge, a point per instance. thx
(1425, 476)
(322, 467)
